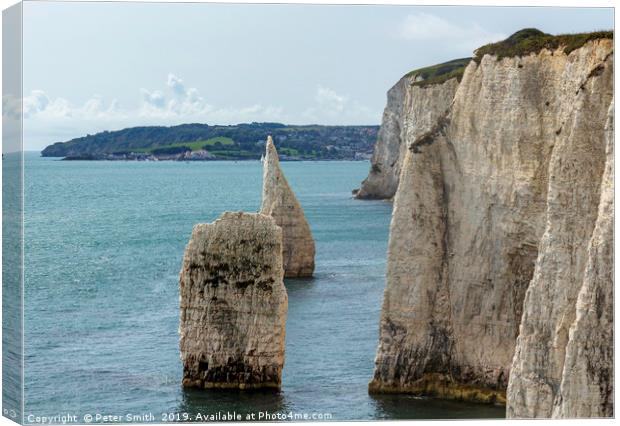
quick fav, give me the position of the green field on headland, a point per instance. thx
(192, 146)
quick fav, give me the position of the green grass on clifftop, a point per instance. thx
(192, 146)
(531, 40)
(439, 73)
(521, 43)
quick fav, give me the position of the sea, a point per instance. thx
(104, 243)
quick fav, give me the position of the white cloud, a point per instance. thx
(37, 101)
(176, 84)
(330, 100)
(50, 119)
(425, 26)
(331, 107)
(60, 107)
(95, 107)
(32, 104)
(154, 99)
(11, 107)
(182, 104)
(37, 105)
(193, 96)
(186, 104)
(328, 103)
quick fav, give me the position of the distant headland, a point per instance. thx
(202, 142)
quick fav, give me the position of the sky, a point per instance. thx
(90, 67)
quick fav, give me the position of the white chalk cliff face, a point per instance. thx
(233, 304)
(567, 326)
(280, 202)
(410, 112)
(505, 192)
(586, 389)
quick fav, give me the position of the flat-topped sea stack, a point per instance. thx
(500, 256)
(280, 202)
(233, 304)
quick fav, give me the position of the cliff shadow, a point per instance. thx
(408, 407)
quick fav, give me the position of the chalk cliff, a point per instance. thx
(280, 202)
(587, 385)
(563, 364)
(386, 160)
(233, 304)
(503, 190)
(411, 111)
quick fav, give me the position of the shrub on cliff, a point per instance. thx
(439, 73)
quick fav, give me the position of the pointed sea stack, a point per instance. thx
(233, 304)
(280, 202)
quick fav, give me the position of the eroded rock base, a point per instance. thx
(442, 386)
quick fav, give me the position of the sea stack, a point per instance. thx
(499, 271)
(233, 304)
(280, 202)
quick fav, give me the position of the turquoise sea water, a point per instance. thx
(104, 244)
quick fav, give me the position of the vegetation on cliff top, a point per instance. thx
(521, 43)
(532, 40)
(439, 73)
